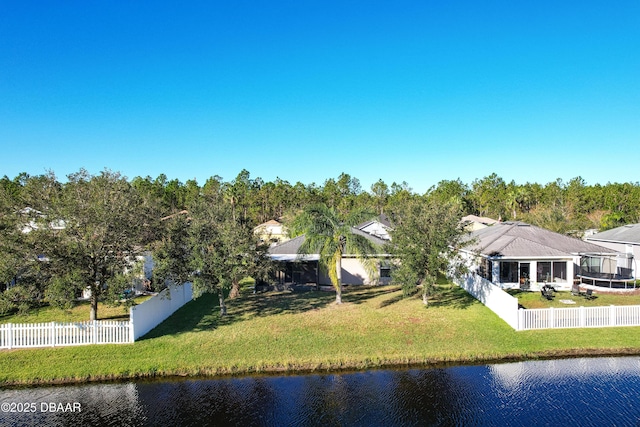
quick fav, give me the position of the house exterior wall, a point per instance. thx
(474, 263)
(353, 273)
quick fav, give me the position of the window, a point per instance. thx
(544, 272)
(560, 271)
(508, 272)
(552, 271)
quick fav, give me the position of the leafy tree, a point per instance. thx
(330, 234)
(103, 219)
(172, 253)
(225, 250)
(380, 192)
(425, 239)
(489, 195)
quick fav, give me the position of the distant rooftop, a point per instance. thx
(629, 233)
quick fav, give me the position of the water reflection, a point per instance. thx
(602, 391)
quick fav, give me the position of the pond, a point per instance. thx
(581, 391)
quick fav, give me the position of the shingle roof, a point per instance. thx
(518, 239)
(289, 249)
(626, 234)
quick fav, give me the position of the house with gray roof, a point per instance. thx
(516, 254)
(304, 268)
(625, 239)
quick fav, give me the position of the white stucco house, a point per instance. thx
(305, 269)
(515, 254)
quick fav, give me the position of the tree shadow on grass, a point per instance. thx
(203, 313)
(452, 296)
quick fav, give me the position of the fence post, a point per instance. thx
(583, 322)
(53, 334)
(551, 320)
(520, 319)
(94, 335)
(612, 316)
(132, 336)
(10, 334)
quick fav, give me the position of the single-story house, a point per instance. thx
(625, 239)
(304, 269)
(515, 254)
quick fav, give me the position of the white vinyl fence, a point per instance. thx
(154, 311)
(497, 300)
(579, 317)
(506, 307)
(142, 318)
(54, 334)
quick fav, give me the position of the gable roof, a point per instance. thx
(629, 233)
(519, 239)
(288, 251)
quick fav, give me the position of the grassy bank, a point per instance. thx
(283, 332)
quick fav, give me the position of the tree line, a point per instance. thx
(57, 238)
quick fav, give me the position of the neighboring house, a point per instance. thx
(272, 232)
(478, 222)
(379, 228)
(515, 254)
(304, 269)
(625, 239)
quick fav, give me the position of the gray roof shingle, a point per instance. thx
(629, 233)
(518, 239)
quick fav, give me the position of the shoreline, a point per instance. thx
(344, 367)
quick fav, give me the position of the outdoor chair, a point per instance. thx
(576, 292)
(546, 294)
(589, 295)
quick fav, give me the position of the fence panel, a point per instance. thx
(579, 317)
(154, 311)
(497, 300)
(53, 334)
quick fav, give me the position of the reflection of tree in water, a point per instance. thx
(430, 397)
(243, 402)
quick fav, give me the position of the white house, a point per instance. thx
(304, 269)
(515, 254)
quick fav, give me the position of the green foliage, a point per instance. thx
(61, 292)
(224, 249)
(103, 219)
(425, 239)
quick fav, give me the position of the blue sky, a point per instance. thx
(416, 91)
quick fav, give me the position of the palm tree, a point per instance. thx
(331, 236)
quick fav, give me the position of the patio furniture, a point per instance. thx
(589, 295)
(576, 292)
(547, 294)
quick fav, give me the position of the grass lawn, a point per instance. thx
(79, 313)
(286, 332)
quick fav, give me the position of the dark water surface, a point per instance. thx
(584, 392)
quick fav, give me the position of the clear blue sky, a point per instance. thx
(416, 91)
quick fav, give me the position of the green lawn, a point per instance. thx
(284, 332)
(79, 313)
